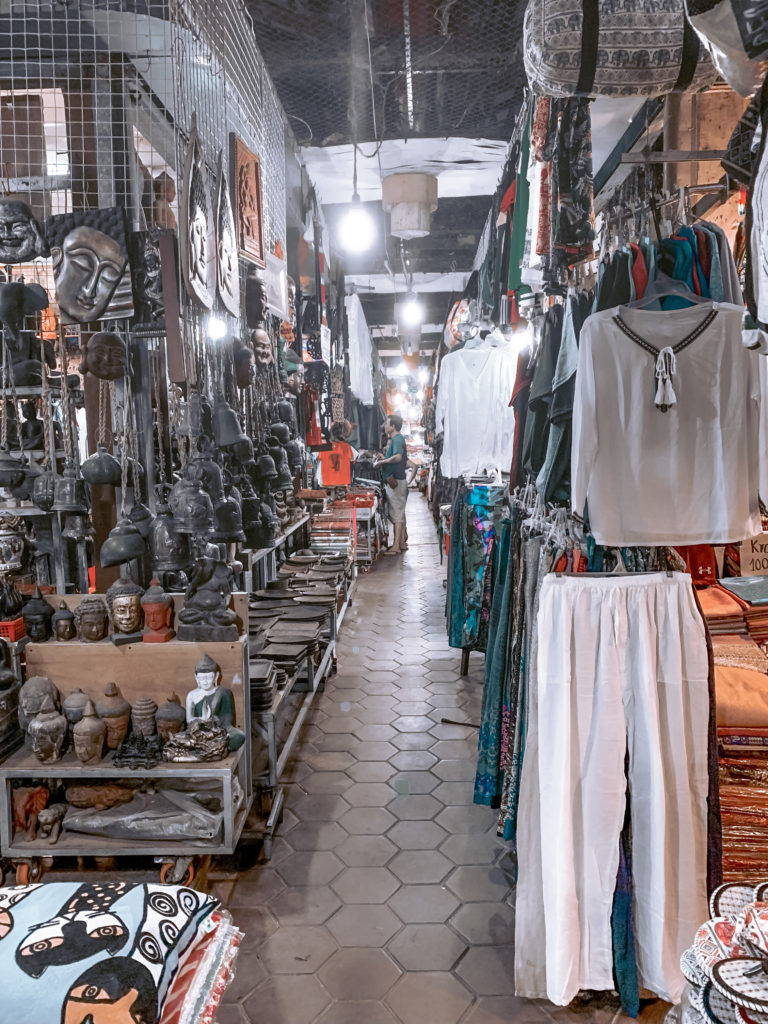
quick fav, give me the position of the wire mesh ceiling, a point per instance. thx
(437, 67)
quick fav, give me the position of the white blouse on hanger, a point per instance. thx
(472, 410)
(689, 475)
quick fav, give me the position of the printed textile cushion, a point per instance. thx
(95, 953)
(639, 47)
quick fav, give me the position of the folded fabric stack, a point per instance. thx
(723, 611)
(163, 954)
(741, 681)
(725, 966)
(752, 591)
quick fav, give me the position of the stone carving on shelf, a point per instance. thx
(170, 718)
(21, 237)
(28, 802)
(206, 615)
(89, 735)
(124, 602)
(210, 699)
(143, 717)
(31, 697)
(103, 355)
(227, 269)
(47, 732)
(115, 710)
(37, 615)
(90, 264)
(202, 740)
(246, 169)
(100, 796)
(73, 705)
(49, 822)
(138, 752)
(197, 230)
(64, 623)
(91, 620)
(158, 612)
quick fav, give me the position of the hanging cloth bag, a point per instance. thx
(735, 32)
(612, 48)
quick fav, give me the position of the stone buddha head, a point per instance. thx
(124, 602)
(21, 239)
(91, 619)
(37, 615)
(104, 356)
(64, 623)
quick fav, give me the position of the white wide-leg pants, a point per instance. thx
(622, 666)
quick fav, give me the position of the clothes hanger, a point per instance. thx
(664, 286)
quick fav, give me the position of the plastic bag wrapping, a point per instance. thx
(166, 813)
(212, 977)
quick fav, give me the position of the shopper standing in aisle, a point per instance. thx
(394, 471)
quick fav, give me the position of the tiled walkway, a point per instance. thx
(387, 898)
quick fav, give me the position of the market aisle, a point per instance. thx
(387, 898)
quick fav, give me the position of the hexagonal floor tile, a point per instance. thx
(485, 924)
(413, 760)
(405, 783)
(311, 868)
(253, 974)
(287, 999)
(473, 849)
(423, 904)
(229, 1013)
(330, 760)
(384, 700)
(443, 686)
(305, 904)
(367, 821)
(465, 820)
(442, 676)
(411, 690)
(413, 741)
(463, 770)
(416, 659)
(326, 782)
(375, 716)
(454, 749)
(420, 866)
(419, 807)
(369, 794)
(454, 793)
(319, 807)
(317, 835)
(417, 835)
(413, 723)
(339, 723)
(346, 741)
(375, 750)
(478, 883)
(375, 732)
(359, 974)
(365, 885)
(297, 950)
(412, 707)
(366, 925)
(447, 731)
(429, 996)
(354, 1011)
(366, 851)
(503, 1009)
(426, 947)
(254, 889)
(371, 771)
(373, 675)
(489, 970)
(445, 700)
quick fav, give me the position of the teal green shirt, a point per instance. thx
(396, 469)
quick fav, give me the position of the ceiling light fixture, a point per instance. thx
(217, 328)
(357, 230)
(401, 370)
(423, 375)
(411, 311)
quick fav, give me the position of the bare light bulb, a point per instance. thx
(217, 328)
(411, 311)
(357, 231)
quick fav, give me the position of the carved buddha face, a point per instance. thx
(65, 628)
(104, 356)
(206, 680)
(198, 246)
(37, 627)
(20, 237)
(93, 625)
(157, 616)
(262, 347)
(88, 269)
(126, 613)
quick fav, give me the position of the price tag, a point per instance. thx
(754, 556)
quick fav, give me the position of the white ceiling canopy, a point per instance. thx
(463, 167)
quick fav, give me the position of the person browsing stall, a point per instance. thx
(393, 473)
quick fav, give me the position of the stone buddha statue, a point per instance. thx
(158, 611)
(124, 603)
(206, 615)
(64, 623)
(37, 615)
(211, 700)
(91, 620)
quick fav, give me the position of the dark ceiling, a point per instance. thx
(367, 70)
(465, 60)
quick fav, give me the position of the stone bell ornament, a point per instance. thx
(191, 507)
(226, 426)
(69, 491)
(101, 468)
(168, 549)
(123, 544)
